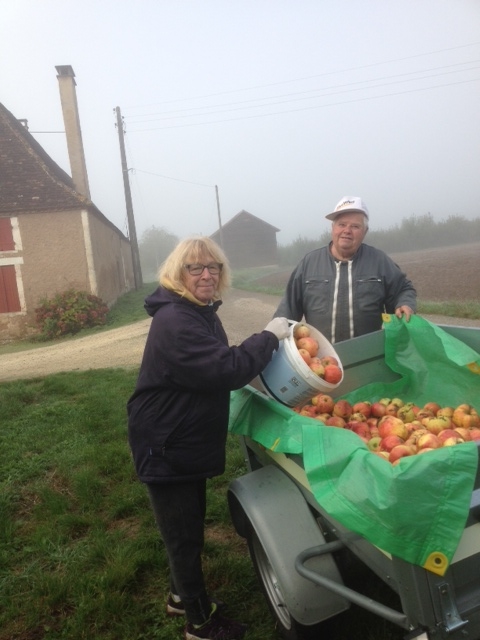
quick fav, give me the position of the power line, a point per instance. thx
(322, 106)
(299, 93)
(319, 75)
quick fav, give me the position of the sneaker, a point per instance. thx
(175, 605)
(216, 628)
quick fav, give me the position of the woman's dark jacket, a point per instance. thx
(178, 413)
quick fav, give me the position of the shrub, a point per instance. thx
(69, 312)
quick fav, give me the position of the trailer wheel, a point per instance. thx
(289, 628)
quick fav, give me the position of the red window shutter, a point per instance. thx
(9, 300)
(6, 235)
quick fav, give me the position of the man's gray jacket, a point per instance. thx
(345, 299)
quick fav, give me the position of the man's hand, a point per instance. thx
(404, 310)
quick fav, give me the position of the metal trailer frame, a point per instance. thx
(301, 540)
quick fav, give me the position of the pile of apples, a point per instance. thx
(392, 428)
(326, 367)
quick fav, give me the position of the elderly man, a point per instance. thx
(343, 289)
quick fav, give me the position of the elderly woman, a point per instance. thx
(178, 416)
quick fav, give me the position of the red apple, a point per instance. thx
(364, 407)
(400, 451)
(464, 433)
(378, 409)
(323, 402)
(343, 409)
(333, 373)
(388, 442)
(360, 428)
(335, 421)
(434, 407)
(429, 441)
(391, 425)
(475, 433)
(451, 442)
(446, 434)
(308, 343)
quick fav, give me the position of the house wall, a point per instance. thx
(112, 260)
(56, 251)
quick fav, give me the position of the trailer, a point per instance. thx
(302, 556)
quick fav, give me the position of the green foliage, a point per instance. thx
(68, 313)
(154, 246)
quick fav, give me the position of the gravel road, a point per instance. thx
(242, 314)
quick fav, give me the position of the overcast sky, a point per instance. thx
(286, 105)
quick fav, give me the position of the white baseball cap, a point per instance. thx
(348, 204)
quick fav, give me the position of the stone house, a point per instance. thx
(52, 236)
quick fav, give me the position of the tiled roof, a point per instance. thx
(29, 179)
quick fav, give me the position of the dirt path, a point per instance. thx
(242, 314)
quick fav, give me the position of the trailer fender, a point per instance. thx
(271, 503)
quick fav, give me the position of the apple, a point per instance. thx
(323, 402)
(424, 413)
(301, 331)
(317, 368)
(323, 417)
(447, 433)
(451, 442)
(364, 407)
(385, 401)
(391, 409)
(464, 407)
(406, 412)
(382, 454)
(335, 421)
(475, 433)
(305, 355)
(445, 411)
(436, 424)
(343, 409)
(400, 451)
(428, 440)
(391, 425)
(398, 402)
(326, 360)
(458, 415)
(470, 420)
(360, 428)
(308, 343)
(466, 434)
(308, 410)
(374, 443)
(388, 442)
(378, 409)
(424, 450)
(434, 407)
(333, 373)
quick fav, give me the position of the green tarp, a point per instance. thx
(415, 510)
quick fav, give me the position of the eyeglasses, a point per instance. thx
(214, 268)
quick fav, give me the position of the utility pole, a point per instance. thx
(137, 270)
(219, 218)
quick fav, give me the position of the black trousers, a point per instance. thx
(179, 511)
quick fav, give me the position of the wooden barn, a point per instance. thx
(248, 241)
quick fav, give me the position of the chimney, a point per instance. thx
(68, 98)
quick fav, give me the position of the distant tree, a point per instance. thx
(154, 246)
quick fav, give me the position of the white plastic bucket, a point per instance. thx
(288, 379)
